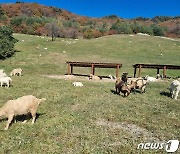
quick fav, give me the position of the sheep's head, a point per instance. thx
(146, 77)
(90, 76)
(41, 100)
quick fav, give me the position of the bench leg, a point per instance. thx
(117, 71)
(69, 67)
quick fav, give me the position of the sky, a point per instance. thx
(122, 8)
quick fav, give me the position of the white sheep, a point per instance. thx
(139, 83)
(112, 77)
(17, 71)
(174, 89)
(150, 79)
(5, 81)
(1, 71)
(94, 77)
(20, 106)
(3, 74)
(77, 84)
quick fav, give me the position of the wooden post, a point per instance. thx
(69, 66)
(117, 71)
(158, 71)
(135, 71)
(71, 69)
(164, 72)
(139, 71)
(92, 69)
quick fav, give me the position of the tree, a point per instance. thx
(175, 30)
(121, 28)
(7, 42)
(3, 15)
(1, 11)
(53, 30)
(158, 31)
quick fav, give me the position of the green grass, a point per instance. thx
(67, 120)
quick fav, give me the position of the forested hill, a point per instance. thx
(36, 19)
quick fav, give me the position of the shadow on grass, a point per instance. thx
(164, 93)
(114, 92)
(21, 118)
(27, 117)
(133, 92)
(85, 75)
(24, 117)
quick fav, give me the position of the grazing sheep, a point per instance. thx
(121, 86)
(37, 47)
(140, 84)
(20, 106)
(125, 90)
(112, 77)
(5, 81)
(16, 72)
(77, 84)
(133, 79)
(158, 76)
(3, 74)
(150, 79)
(1, 71)
(174, 89)
(94, 77)
(132, 86)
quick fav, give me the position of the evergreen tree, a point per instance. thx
(7, 42)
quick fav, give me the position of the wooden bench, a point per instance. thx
(154, 66)
(93, 66)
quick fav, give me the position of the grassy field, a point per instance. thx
(90, 119)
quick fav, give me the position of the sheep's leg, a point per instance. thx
(143, 89)
(24, 121)
(34, 118)
(176, 94)
(10, 118)
(117, 91)
(33, 113)
(172, 96)
(15, 120)
(7, 85)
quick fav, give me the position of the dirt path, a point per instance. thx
(77, 78)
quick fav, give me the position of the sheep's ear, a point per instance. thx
(42, 100)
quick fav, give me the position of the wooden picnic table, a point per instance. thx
(93, 65)
(154, 66)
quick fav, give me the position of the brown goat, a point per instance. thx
(120, 86)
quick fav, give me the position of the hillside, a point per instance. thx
(90, 119)
(33, 18)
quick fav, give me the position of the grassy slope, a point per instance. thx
(67, 119)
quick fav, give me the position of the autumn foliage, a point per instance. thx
(35, 19)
